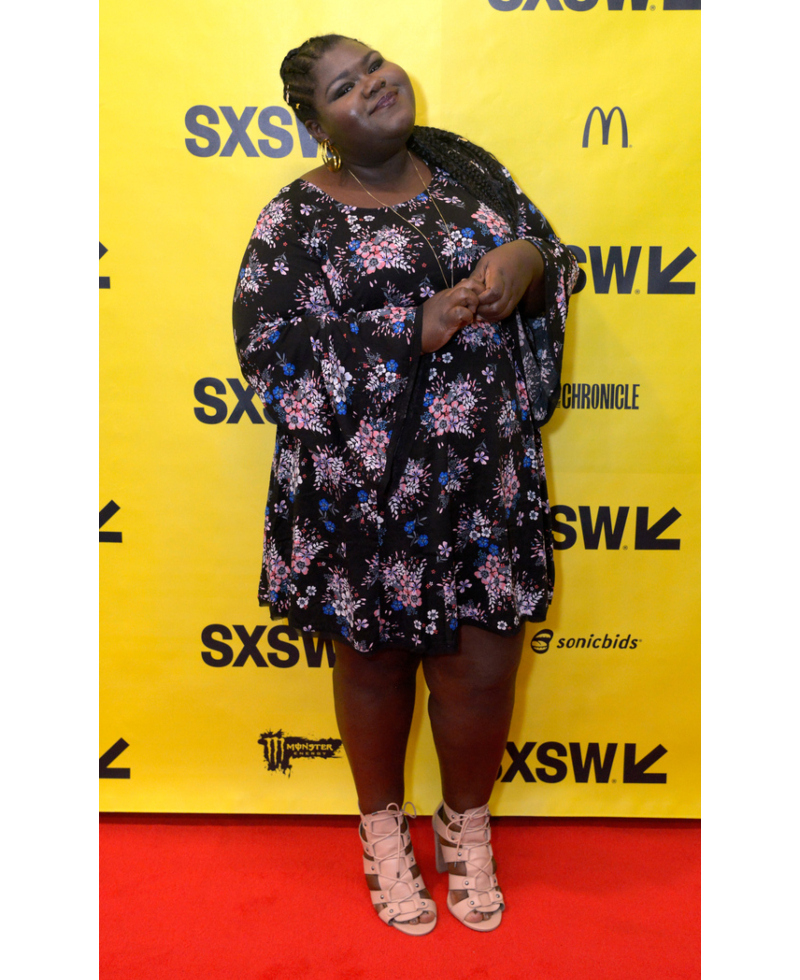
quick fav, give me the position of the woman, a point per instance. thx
(400, 311)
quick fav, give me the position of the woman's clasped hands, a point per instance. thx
(503, 278)
(445, 313)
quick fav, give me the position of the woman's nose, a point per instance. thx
(374, 83)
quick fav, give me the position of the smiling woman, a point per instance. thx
(400, 311)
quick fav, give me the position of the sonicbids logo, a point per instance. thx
(540, 642)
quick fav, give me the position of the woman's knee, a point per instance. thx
(485, 666)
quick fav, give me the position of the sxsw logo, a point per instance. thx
(580, 6)
(280, 649)
(608, 529)
(589, 761)
(202, 120)
(214, 409)
(615, 268)
(106, 514)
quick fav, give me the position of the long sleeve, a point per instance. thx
(333, 378)
(541, 338)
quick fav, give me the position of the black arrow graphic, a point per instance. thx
(106, 772)
(105, 282)
(105, 515)
(660, 280)
(636, 772)
(647, 538)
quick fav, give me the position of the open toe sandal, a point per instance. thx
(389, 864)
(464, 840)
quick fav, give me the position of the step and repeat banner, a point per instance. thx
(207, 704)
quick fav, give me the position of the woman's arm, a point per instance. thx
(535, 274)
(332, 380)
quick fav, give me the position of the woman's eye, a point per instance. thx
(376, 65)
(344, 90)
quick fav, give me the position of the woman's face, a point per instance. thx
(365, 105)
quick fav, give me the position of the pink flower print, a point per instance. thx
(272, 218)
(403, 577)
(303, 406)
(506, 484)
(383, 250)
(304, 549)
(340, 595)
(452, 409)
(492, 222)
(507, 421)
(495, 575)
(287, 469)
(370, 443)
(412, 488)
(329, 471)
(276, 568)
(253, 276)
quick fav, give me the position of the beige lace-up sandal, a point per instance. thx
(464, 839)
(395, 883)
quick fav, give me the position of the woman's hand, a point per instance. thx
(511, 273)
(447, 312)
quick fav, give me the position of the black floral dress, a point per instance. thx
(408, 492)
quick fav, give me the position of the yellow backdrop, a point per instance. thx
(208, 706)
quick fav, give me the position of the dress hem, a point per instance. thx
(408, 648)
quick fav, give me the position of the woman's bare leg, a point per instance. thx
(470, 706)
(374, 699)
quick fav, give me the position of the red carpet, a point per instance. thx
(252, 898)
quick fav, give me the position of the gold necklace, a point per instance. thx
(411, 224)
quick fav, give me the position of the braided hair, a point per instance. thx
(473, 167)
(297, 73)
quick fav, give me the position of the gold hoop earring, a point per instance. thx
(331, 156)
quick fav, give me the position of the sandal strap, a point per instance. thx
(480, 903)
(401, 911)
(479, 879)
(389, 856)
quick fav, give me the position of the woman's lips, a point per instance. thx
(386, 100)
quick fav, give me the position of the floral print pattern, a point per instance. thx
(408, 492)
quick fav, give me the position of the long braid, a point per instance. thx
(473, 167)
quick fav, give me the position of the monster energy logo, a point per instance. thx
(280, 749)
